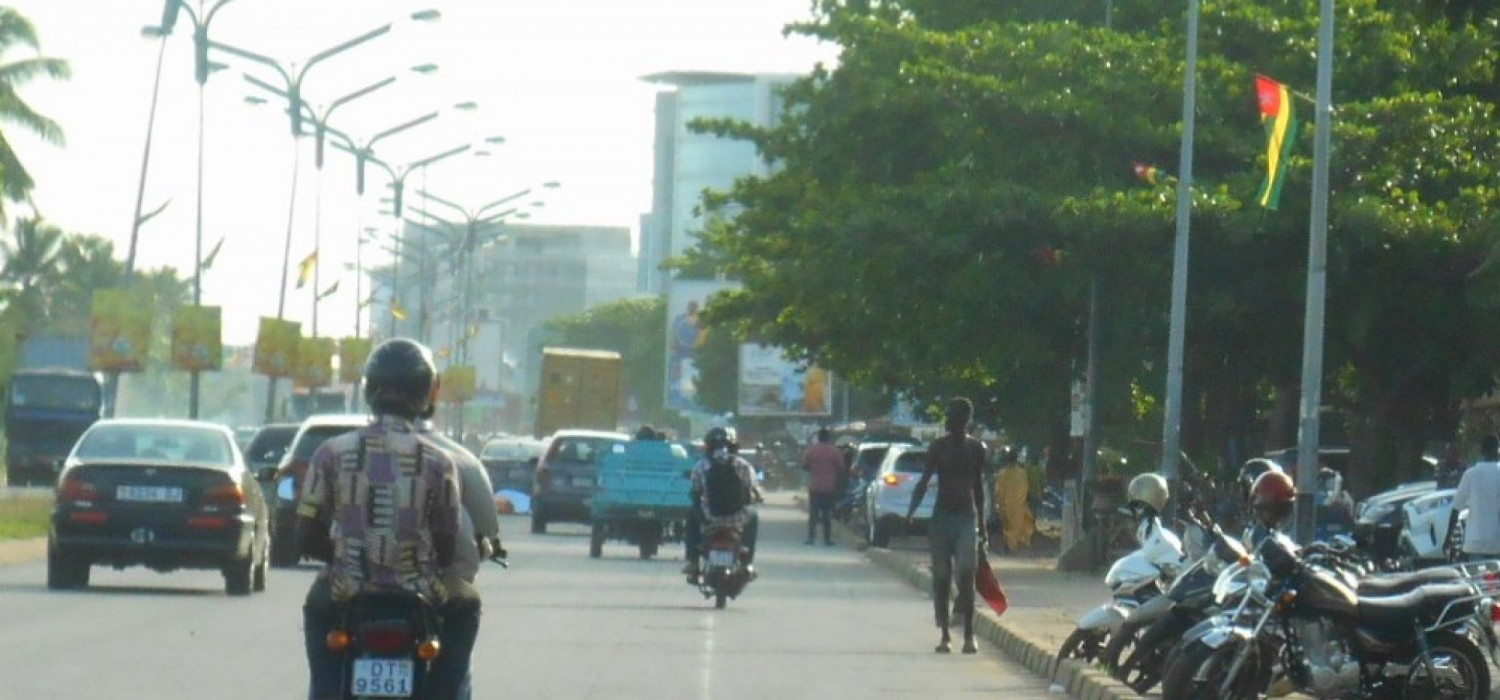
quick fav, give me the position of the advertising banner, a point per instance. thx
(314, 362)
(458, 384)
(196, 343)
(685, 299)
(276, 347)
(771, 385)
(119, 332)
(352, 355)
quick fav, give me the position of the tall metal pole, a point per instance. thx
(1317, 280)
(286, 255)
(1172, 423)
(193, 385)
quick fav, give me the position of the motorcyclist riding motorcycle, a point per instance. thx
(350, 517)
(720, 501)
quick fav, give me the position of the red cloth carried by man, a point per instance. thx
(988, 587)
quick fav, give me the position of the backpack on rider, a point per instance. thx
(725, 490)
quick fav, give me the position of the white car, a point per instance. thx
(1424, 528)
(889, 494)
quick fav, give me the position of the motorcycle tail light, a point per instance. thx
(384, 640)
(337, 640)
(429, 649)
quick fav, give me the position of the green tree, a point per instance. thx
(86, 263)
(17, 35)
(966, 170)
(31, 270)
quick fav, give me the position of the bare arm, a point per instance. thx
(920, 490)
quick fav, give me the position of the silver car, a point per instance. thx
(890, 493)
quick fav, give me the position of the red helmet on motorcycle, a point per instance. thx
(1272, 496)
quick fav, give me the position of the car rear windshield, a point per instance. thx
(911, 462)
(315, 436)
(269, 444)
(869, 459)
(513, 451)
(160, 442)
(580, 449)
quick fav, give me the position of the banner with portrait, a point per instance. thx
(352, 355)
(458, 384)
(276, 347)
(196, 342)
(314, 363)
(685, 299)
(119, 332)
(771, 385)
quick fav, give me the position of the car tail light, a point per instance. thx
(384, 640)
(337, 640)
(77, 492)
(222, 498)
(89, 517)
(892, 480)
(1495, 612)
(429, 649)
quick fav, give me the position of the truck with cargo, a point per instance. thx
(578, 389)
(50, 400)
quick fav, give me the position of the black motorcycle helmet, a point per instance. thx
(715, 439)
(399, 379)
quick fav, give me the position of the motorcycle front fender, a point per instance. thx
(1108, 616)
(1219, 636)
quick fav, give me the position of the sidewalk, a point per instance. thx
(1044, 605)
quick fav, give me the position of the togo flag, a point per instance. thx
(1281, 130)
(305, 269)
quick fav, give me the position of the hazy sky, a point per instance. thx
(559, 79)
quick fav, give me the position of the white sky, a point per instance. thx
(559, 79)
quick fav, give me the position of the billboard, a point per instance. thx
(119, 332)
(314, 362)
(457, 385)
(276, 347)
(685, 299)
(352, 355)
(771, 385)
(196, 343)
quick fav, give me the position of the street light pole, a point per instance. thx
(1308, 439)
(1172, 422)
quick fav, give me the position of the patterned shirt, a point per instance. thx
(387, 490)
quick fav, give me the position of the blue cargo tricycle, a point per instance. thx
(643, 496)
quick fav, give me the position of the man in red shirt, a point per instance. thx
(824, 464)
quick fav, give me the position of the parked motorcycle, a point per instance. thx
(725, 568)
(1133, 580)
(1303, 627)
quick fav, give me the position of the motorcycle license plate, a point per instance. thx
(382, 678)
(721, 557)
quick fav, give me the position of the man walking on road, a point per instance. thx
(953, 533)
(1479, 493)
(824, 464)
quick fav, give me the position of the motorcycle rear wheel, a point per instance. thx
(1084, 645)
(1462, 672)
(1141, 669)
(1121, 646)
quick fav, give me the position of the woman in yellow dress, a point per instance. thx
(1012, 485)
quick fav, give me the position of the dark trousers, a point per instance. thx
(460, 615)
(954, 544)
(820, 509)
(692, 535)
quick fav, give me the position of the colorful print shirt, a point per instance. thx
(387, 490)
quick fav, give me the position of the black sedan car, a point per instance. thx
(165, 494)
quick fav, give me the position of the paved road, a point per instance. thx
(821, 622)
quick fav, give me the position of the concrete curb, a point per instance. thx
(1078, 679)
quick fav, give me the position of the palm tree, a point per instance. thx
(31, 268)
(16, 31)
(87, 263)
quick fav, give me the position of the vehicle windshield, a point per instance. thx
(511, 451)
(911, 462)
(315, 436)
(270, 444)
(868, 460)
(581, 449)
(67, 392)
(174, 443)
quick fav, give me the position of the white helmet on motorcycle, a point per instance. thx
(1149, 490)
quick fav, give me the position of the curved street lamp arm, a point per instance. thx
(401, 127)
(445, 202)
(257, 82)
(252, 56)
(372, 87)
(435, 158)
(330, 52)
(503, 200)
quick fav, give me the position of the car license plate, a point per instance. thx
(720, 557)
(149, 494)
(583, 482)
(382, 678)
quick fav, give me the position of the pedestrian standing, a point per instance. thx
(824, 464)
(953, 532)
(1012, 489)
(1479, 493)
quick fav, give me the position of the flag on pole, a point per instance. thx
(368, 300)
(305, 269)
(329, 291)
(397, 310)
(1281, 130)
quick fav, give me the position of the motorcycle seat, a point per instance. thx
(1400, 613)
(1393, 584)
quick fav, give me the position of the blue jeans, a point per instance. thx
(953, 544)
